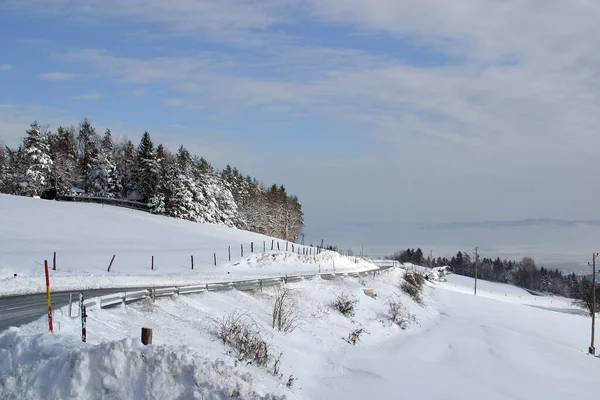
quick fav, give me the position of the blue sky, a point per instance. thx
(390, 119)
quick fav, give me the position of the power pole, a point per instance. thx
(476, 257)
(592, 349)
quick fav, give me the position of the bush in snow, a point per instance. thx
(285, 311)
(413, 285)
(345, 304)
(413, 291)
(398, 314)
(414, 278)
(244, 337)
(354, 336)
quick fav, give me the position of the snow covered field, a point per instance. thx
(86, 236)
(506, 344)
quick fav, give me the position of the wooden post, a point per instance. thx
(152, 267)
(48, 296)
(278, 246)
(215, 257)
(264, 246)
(242, 250)
(272, 243)
(292, 248)
(54, 262)
(192, 258)
(154, 295)
(146, 336)
(229, 252)
(111, 262)
(286, 245)
(251, 247)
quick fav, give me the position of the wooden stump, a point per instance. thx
(146, 336)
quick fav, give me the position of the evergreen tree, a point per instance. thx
(147, 168)
(87, 145)
(63, 148)
(106, 180)
(37, 158)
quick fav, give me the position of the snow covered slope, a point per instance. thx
(500, 346)
(86, 236)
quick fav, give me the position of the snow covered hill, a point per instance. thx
(86, 236)
(502, 345)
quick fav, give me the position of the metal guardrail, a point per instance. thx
(245, 285)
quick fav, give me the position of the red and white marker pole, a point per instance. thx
(48, 296)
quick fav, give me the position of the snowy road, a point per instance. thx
(19, 310)
(479, 348)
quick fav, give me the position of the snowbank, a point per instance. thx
(61, 367)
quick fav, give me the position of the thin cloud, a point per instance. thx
(90, 96)
(58, 76)
(5, 67)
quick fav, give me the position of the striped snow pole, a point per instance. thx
(48, 296)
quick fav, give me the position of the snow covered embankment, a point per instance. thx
(149, 249)
(187, 358)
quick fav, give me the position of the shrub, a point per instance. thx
(285, 311)
(413, 291)
(398, 314)
(414, 278)
(354, 336)
(345, 304)
(244, 337)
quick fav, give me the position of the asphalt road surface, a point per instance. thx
(19, 310)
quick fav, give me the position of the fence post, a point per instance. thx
(192, 259)
(54, 262)
(229, 252)
(152, 263)
(264, 246)
(293, 248)
(111, 262)
(278, 249)
(251, 247)
(215, 257)
(83, 318)
(272, 243)
(146, 336)
(242, 250)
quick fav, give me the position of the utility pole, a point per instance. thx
(476, 257)
(592, 349)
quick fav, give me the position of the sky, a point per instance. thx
(436, 124)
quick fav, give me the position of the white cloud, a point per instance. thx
(58, 76)
(5, 67)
